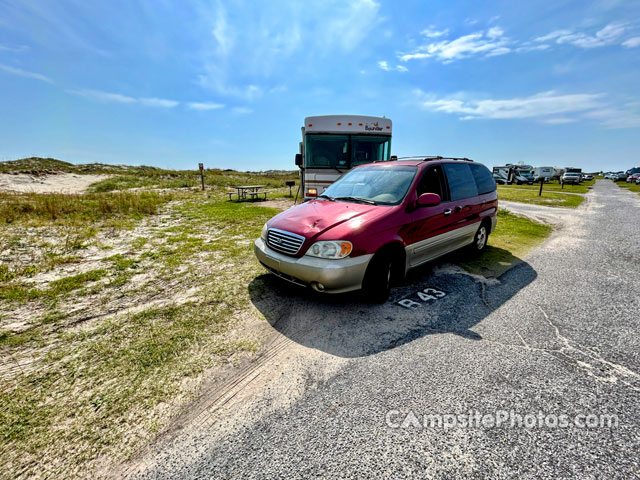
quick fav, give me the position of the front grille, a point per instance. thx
(284, 242)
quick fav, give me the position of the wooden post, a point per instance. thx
(201, 167)
(541, 183)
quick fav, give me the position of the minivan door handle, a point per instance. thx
(458, 209)
(447, 211)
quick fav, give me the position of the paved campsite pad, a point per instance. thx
(556, 334)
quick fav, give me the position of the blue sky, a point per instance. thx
(228, 83)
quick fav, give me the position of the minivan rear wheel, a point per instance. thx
(480, 239)
(377, 280)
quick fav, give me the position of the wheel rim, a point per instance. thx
(481, 239)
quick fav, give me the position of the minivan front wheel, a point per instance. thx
(376, 285)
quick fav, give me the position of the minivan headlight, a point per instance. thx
(263, 235)
(330, 249)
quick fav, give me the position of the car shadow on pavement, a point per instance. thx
(347, 326)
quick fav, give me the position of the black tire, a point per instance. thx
(480, 239)
(376, 285)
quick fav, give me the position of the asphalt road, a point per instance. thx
(556, 337)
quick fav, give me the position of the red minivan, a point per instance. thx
(378, 221)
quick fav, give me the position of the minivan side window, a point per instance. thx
(461, 181)
(432, 182)
(483, 177)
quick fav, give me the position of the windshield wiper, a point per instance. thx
(357, 199)
(331, 199)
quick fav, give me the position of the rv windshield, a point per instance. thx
(345, 151)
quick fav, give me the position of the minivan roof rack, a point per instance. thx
(428, 158)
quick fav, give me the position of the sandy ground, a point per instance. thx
(59, 183)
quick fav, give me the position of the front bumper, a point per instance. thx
(336, 276)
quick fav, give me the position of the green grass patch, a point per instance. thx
(78, 209)
(526, 195)
(67, 284)
(158, 178)
(18, 292)
(632, 187)
(513, 237)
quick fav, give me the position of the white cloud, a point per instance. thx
(489, 43)
(607, 35)
(384, 65)
(543, 104)
(615, 117)
(632, 42)
(103, 96)
(7, 48)
(546, 107)
(432, 32)
(495, 32)
(244, 47)
(204, 106)
(553, 35)
(109, 97)
(532, 48)
(220, 30)
(499, 51)
(558, 120)
(24, 73)
(158, 102)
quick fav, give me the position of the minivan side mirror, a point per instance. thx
(298, 159)
(429, 200)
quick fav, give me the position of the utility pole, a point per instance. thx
(201, 167)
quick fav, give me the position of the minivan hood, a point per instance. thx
(315, 217)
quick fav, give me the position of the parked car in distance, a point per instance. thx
(620, 177)
(574, 178)
(378, 221)
(633, 177)
(526, 175)
(587, 177)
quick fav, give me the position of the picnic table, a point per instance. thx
(244, 192)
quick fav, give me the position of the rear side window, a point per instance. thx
(483, 177)
(461, 181)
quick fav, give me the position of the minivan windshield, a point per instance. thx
(380, 185)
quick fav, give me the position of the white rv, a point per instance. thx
(546, 173)
(334, 144)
